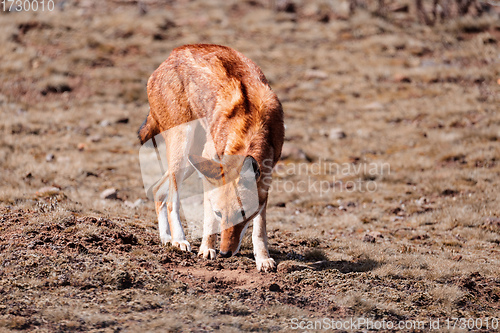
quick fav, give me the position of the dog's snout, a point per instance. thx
(226, 254)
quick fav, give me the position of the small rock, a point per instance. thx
(94, 138)
(134, 204)
(290, 266)
(274, 287)
(373, 106)
(47, 191)
(122, 121)
(291, 151)
(109, 194)
(287, 6)
(128, 204)
(369, 238)
(449, 192)
(372, 236)
(50, 157)
(315, 74)
(401, 78)
(336, 133)
(105, 123)
(421, 201)
(81, 146)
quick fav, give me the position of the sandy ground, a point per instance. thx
(385, 205)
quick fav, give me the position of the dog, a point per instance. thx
(243, 119)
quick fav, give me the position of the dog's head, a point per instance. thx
(233, 195)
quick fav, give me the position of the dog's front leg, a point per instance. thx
(160, 191)
(163, 227)
(173, 208)
(207, 248)
(259, 238)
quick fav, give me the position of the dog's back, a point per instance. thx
(222, 85)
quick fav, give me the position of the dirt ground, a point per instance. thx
(385, 205)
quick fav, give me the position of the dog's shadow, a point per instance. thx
(313, 258)
(317, 261)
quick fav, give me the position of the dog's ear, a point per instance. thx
(251, 165)
(211, 170)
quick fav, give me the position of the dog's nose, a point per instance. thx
(226, 254)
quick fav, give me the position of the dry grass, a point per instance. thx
(424, 243)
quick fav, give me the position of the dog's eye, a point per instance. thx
(218, 214)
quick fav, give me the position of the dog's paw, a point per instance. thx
(165, 239)
(183, 245)
(207, 253)
(265, 264)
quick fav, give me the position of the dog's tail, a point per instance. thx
(148, 129)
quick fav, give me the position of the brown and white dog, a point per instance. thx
(243, 117)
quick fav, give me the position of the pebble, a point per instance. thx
(336, 134)
(401, 78)
(374, 106)
(94, 138)
(290, 266)
(372, 236)
(109, 194)
(48, 191)
(50, 157)
(134, 204)
(122, 121)
(291, 151)
(315, 74)
(422, 201)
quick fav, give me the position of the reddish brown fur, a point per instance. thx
(244, 115)
(179, 93)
